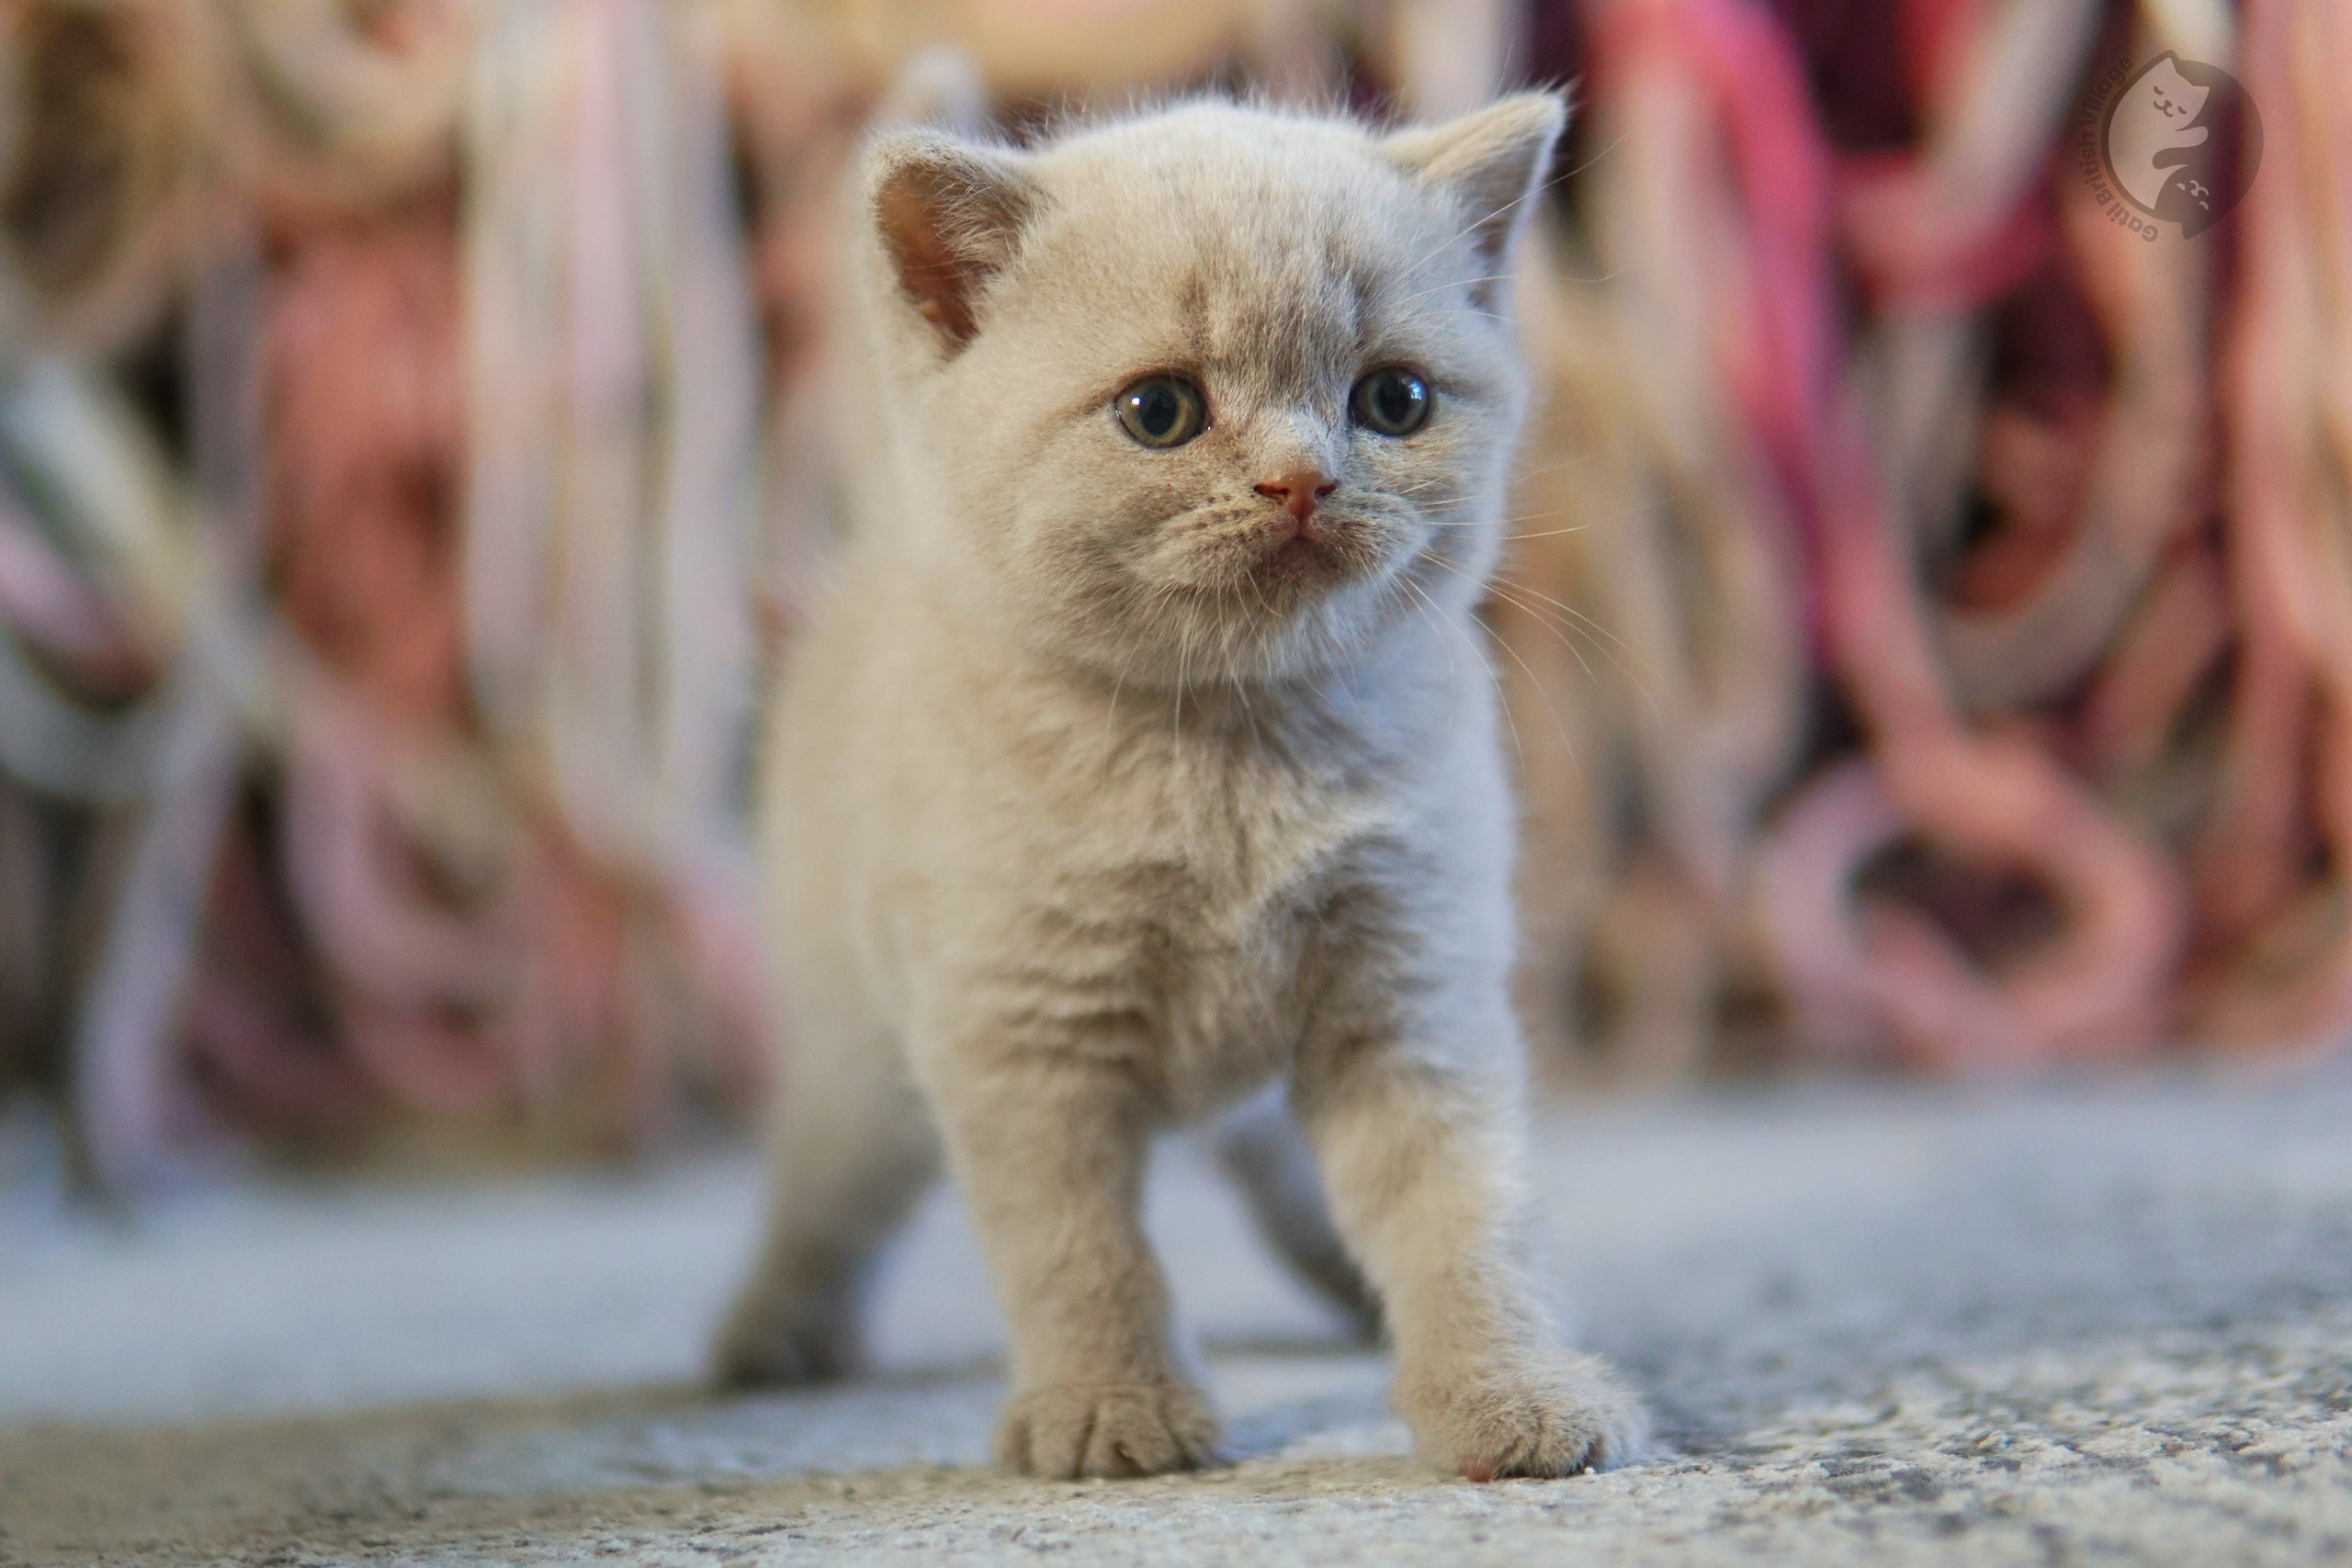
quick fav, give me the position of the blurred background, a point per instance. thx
(1927, 632)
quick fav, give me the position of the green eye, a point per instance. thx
(1392, 402)
(1162, 411)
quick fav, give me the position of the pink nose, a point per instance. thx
(1298, 490)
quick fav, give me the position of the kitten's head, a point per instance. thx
(1214, 392)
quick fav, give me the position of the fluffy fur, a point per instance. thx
(1101, 792)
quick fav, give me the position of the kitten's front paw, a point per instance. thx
(1062, 1431)
(1557, 1415)
(770, 1341)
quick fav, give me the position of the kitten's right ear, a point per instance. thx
(1493, 160)
(950, 217)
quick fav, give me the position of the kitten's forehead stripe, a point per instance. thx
(1192, 314)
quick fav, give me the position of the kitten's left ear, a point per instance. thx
(1493, 160)
(949, 215)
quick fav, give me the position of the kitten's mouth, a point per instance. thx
(1262, 568)
(1296, 557)
(1300, 556)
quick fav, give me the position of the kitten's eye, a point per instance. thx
(1392, 402)
(1162, 411)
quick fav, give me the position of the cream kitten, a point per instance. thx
(1142, 757)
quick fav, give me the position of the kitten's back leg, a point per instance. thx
(1259, 1145)
(853, 1148)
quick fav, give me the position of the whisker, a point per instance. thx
(1541, 619)
(1443, 624)
(1258, 590)
(1478, 223)
(1111, 719)
(1535, 682)
(1248, 710)
(1540, 190)
(1494, 522)
(1421, 594)
(1500, 588)
(1183, 666)
(1514, 518)
(1632, 509)
(1450, 283)
(1571, 609)
(1519, 475)
(1521, 478)
(1589, 628)
(1555, 463)
(1589, 163)
(1611, 276)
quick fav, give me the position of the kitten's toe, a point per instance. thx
(1062, 1431)
(770, 1342)
(1560, 1415)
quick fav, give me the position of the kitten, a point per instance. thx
(1143, 754)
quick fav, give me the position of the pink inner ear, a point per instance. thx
(940, 281)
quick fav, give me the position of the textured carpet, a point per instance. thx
(2094, 1324)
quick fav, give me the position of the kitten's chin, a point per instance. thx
(1293, 608)
(1302, 563)
(1293, 621)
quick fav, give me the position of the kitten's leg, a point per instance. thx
(854, 1149)
(1419, 1160)
(1259, 1145)
(1050, 1153)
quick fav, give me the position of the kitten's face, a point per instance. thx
(1234, 398)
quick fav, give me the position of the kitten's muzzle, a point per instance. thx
(1301, 542)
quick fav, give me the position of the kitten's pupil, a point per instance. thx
(1395, 399)
(1156, 411)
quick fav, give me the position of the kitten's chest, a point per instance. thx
(1195, 903)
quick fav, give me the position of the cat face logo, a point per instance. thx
(2178, 141)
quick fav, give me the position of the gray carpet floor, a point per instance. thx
(2110, 1323)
